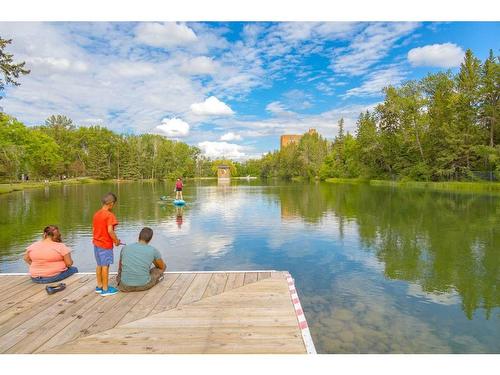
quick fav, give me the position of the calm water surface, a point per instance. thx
(378, 270)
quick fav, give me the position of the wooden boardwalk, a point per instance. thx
(208, 312)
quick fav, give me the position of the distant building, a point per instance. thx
(287, 139)
(223, 172)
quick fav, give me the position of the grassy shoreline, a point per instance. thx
(19, 186)
(473, 187)
(6, 188)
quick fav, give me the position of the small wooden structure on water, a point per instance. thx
(223, 173)
(188, 312)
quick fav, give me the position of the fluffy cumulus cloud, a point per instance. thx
(446, 55)
(230, 136)
(173, 127)
(217, 150)
(211, 107)
(168, 34)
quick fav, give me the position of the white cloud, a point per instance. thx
(231, 137)
(168, 34)
(199, 65)
(376, 81)
(134, 69)
(211, 107)
(216, 150)
(173, 127)
(54, 64)
(370, 46)
(326, 123)
(446, 55)
(277, 108)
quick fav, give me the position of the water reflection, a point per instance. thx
(378, 270)
(447, 243)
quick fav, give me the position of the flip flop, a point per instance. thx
(54, 289)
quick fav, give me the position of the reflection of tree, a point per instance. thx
(442, 241)
(25, 214)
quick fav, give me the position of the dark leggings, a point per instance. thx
(52, 279)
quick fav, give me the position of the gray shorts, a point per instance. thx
(103, 257)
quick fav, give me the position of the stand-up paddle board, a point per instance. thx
(179, 202)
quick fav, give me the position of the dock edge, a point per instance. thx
(301, 318)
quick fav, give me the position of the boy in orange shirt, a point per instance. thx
(104, 237)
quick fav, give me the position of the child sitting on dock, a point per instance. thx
(178, 188)
(104, 237)
(134, 270)
(49, 259)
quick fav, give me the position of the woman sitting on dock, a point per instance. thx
(49, 259)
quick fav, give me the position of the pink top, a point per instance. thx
(47, 258)
(178, 185)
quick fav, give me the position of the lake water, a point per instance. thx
(378, 270)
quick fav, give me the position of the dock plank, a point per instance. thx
(235, 280)
(39, 320)
(35, 304)
(146, 304)
(80, 327)
(111, 317)
(253, 340)
(174, 294)
(40, 335)
(222, 323)
(196, 289)
(263, 275)
(20, 289)
(207, 312)
(216, 285)
(250, 277)
(10, 281)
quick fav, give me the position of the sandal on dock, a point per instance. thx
(54, 289)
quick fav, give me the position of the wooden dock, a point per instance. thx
(188, 312)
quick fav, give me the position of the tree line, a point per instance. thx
(59, 148)
(442, 127)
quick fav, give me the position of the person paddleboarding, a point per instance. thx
(178, 189)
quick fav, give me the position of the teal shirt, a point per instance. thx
(136, 263)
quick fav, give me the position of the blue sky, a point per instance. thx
(230, 88)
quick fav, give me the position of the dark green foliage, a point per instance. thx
(443, 127)
(59, 148)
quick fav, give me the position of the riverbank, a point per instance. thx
(9, 188)
(473, 187)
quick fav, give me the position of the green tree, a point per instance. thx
(467, 109)
(10, 70)
(489, 95)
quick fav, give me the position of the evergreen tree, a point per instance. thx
(467, 109)
(489, 96)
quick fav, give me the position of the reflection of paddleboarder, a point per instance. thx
(178, 217)
(178, 188)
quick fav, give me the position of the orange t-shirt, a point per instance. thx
(101, 237)
(47, 258)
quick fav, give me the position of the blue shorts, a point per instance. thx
(103, 257)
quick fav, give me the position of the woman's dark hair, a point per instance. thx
(146, 234)
(53, 232)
